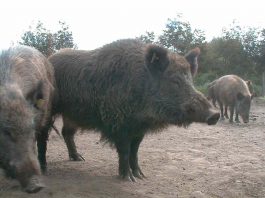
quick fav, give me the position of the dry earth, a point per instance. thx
(202, 161)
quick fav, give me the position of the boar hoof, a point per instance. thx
(138, 174)
(77, 157)
(128, 177)
(44, 170)
(35, 185)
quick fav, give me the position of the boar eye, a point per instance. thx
(176, 82)
(9, 135)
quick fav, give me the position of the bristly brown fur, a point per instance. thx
(117, 83)
(125, 90)
(26, 94)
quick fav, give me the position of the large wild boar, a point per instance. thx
(26, 88)
(124, 90)
(233, 92)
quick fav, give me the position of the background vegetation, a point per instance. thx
(46, 41)
(239, 50)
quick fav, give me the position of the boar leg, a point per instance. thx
(214, 102)
(237, 119)
(123, 149)
(231, 113)
(222, 110)
(226, 114)
(42, 138)
(136, 171)
(68, 133)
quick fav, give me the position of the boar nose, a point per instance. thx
(213, 119)
(245, 118)
(35, 184)
(28, 174)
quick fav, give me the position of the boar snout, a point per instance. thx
(29, 175)
(34, 185)
(213, 118)
(245, 120)
(199, 109)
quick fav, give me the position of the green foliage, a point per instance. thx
(63, 38)
(149, 37)
(179, 36)
(205, 78)
(40, 38)
(202, 79)
(202, 88)
(226, 56)
(251, 42)
(261, 52)
(46, 41)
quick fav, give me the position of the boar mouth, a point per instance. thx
(185, 118)
(9, 171)
(34, 185)
(181, 119)
(245, 121)
(213, 119)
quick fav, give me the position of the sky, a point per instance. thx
(98, 22)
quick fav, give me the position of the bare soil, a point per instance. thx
(225, 160)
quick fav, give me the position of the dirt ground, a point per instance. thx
(225, 160)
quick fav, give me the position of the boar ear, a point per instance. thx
(192, 57)
(156, 58)
(240, 96)
(248, 82)
(35, 96)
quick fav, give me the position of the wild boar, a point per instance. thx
(233, 92)
(124, 90)
(213, 91)
(26, 89)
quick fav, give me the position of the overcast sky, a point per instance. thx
(97, 22)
